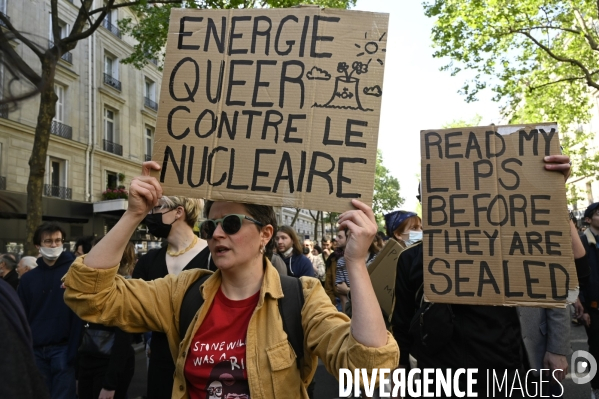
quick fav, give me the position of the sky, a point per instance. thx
(416, 94)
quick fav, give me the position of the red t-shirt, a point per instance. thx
(215, 365)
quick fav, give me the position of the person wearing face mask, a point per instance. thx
(172, 220)
(404, 227)
(55, 328)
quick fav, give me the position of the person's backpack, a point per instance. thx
(290, 307)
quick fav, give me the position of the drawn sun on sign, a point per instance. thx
(371, 48)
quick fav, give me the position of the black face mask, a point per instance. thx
(155, 225)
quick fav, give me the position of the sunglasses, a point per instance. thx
(230, 224)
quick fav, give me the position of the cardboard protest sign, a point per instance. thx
(382, 275)
(273, 106)
(495, 222)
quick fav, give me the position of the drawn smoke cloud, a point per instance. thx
(318, 74)
(373, 91)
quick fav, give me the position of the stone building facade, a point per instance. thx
(102, 132)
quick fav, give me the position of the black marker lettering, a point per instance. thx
(258, 172)
(342, 179)
(183, 33)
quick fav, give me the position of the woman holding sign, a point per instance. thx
(239, 322)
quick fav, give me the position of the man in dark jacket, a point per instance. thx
(458, 336)
(55, 328)
(8, 270)
(20, 376)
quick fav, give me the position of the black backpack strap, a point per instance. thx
(192, 302)
(290, 307)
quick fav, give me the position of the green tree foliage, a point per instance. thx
(386, 190)
(151, 27)
(539, 57)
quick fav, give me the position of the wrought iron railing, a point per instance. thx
(111, 81)
(148, 157)
(62, 130)
(112, 28)
(2, 183)
(151, 104)
(113, 148)
(57, 191)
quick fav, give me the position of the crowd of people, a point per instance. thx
(203, 304)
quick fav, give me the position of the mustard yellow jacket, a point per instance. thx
(101, 296)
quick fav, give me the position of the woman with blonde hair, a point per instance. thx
(172, 219)
(239, 320)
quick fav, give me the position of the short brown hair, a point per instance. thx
(411, 222)
(128, 260)
(265, 214)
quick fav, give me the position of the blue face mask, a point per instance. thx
(414, 237)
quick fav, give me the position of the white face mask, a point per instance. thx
(51, 253)
(415, 236)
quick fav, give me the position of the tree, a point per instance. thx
(39, 79)
(297, 212)
(316, 219)
(386, 190)
(539, 57)
(151, 33)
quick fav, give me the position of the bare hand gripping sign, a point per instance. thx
(496, 229)
(278, 107)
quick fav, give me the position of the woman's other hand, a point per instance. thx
(144, 191)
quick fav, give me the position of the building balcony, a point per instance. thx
(113, 148)
(2, 183)
(113, 82)
(62, 130)
(148, 157)
(112, 28)
(150, 104)
(57, 191)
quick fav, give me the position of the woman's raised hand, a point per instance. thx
(144, 190)
(362, 229)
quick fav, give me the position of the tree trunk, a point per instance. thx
(297, 211)
(37, 161)
(316, 226)
(322, 228)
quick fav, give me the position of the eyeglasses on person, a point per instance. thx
(230, 224)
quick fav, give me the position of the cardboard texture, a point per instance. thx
(272, 106)
(496, 230)
(382, 273)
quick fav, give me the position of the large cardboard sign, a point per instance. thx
(279, 107)
(496, 227)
